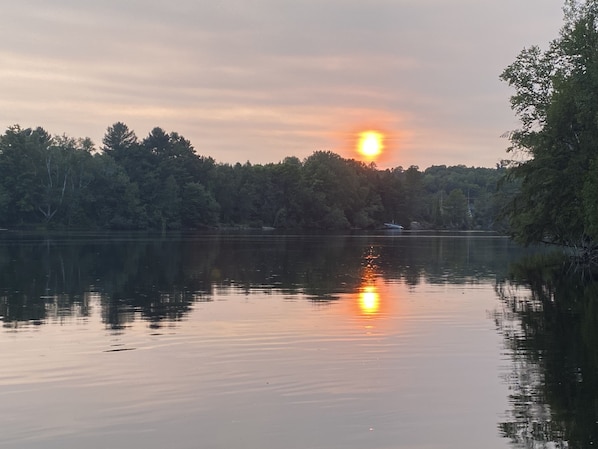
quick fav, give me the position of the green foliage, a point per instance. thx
(556, 99)
(112, 201)
(336, 188)
(4, 201)
(118, 140)
(160, 183)
(198, 206)
(21, 169)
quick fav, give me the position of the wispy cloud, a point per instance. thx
(261, 80)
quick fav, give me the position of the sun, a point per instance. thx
(370, 144)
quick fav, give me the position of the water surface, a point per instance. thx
(254, 341)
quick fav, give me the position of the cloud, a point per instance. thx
(264, 79)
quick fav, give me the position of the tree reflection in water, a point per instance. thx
(51, 277)
(550, 325)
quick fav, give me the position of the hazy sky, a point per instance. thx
(260, 80)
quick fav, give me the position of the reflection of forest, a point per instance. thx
(550, 325)
(160, 278)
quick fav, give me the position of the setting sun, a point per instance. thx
(370, 144)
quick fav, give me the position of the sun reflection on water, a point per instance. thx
(369, 296)
(369, 300)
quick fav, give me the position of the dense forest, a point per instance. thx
(160, 182)
(556, 100)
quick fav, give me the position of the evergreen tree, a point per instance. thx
(118, 139)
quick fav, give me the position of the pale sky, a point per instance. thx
(259, 80)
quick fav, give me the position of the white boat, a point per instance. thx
(393, 226)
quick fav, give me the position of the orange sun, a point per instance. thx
(370, 144)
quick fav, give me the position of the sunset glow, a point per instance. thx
(370, 144)
(369, 300)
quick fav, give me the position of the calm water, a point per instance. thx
(266, 341)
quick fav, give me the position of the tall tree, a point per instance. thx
(65, 176)
(556, 99)
(22, 171)
(118, 139)
(414, 192)
(113, 201)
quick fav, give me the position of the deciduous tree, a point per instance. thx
(556, 99)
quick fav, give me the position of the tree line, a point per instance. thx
(160, 182)
(549, 194)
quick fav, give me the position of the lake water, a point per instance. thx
(260, 341)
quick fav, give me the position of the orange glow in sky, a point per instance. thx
(370, 144)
